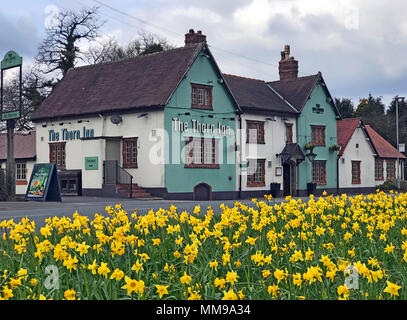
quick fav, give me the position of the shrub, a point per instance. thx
(392, 185)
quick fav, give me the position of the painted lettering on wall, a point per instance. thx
(67, 135)
(198, 127)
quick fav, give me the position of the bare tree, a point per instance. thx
(34, 90)
(59, 50)
(112, 50)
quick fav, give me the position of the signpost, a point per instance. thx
(44, 183)
(11, 60)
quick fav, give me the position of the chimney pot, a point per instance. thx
(288, 66)
(192, 38)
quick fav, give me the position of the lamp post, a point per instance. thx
(397, 98)
(311, 157)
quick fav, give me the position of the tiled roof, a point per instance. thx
(345, 129)
(296, 91)
(253, 94)
(383, 147)
(24, 146)
(145, 81)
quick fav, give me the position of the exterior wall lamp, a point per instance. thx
(311, 156)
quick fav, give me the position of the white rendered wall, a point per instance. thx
(363, 153)
(274, 136)
(148, 174)
(21, 189)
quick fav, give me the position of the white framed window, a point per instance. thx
(201, 152)
(21, 171)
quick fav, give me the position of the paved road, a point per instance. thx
(88, 206)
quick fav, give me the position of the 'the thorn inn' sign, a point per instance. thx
(198, 127)
(66, 135)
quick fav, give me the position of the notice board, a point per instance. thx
(44, 183)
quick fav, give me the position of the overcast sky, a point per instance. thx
(359, 45)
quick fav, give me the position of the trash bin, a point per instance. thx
(311, 188)
(275, 189)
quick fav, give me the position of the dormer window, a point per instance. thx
(201, 96)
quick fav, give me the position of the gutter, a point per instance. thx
(241, 156)
(337, 174)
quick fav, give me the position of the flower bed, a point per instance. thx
(328, 248)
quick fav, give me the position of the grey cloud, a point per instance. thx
(19, 35)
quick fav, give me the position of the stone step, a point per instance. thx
(137, 191)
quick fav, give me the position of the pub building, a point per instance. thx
(172, 125)
(162, 124)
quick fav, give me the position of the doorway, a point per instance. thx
(112, 160)
(286, 179)
(289, 178)
(203, 191)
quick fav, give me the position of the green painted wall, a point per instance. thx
(304, 122)
(177, 177)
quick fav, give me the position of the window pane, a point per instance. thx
(63, 155)
(188, 152)
(255, 132)
(318, 172)
(193, 96)
(255, 171)
(200, 151)
(134, 152)
(318, 135)
(200, 96)
(206, 97)
(208, 151)
(197, 151)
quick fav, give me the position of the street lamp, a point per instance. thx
(311, 156)
(397, 98)
(311, 186)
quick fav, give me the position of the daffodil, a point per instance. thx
(161, 290)
(231, 277)
(103, 269)
(273, 290)
(392, 289)
(214, 264)
(117, 274)
(230, 295)
(70, 294)
(185, 279)
(133, 286)
(220, 283)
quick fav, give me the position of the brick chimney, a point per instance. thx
(288, 66)
(193, 37)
